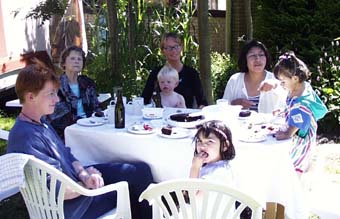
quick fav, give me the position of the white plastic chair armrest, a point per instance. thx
(119, 186)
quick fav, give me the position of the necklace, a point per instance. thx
(32, 120)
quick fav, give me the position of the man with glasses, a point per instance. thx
(190, 86)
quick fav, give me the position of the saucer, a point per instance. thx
(140, 130)
(90, 122)
(176, 133)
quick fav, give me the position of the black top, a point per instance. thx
(189, 86)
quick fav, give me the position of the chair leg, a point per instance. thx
(270, 210)
(274, 211)
(280, 211)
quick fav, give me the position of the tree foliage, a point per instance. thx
(46, 9)
(307, 27)
(150, 22)
(303, 26)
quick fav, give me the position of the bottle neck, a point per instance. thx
(119, 95)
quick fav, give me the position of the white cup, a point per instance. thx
(110, 113)
(113, 102)
(137, 105)
(222, 102)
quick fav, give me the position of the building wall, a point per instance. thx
(217, 28)
(217, 32)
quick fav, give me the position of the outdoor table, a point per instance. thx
(264, 169)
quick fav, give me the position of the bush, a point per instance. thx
(222, 67)
(301, 26)
(305, 27)
(327, 84)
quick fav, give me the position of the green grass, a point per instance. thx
(13, 207)
(6, 123)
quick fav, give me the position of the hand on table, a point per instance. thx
(287, 133)
(280, 135)
(243, 102)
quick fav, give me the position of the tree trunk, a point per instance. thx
(228, 27)
(249, 20)
(113, 36)
(204, 49)
(132, 35)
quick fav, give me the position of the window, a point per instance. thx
(215, 4)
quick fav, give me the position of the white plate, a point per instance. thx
(139, 129)
(192, 124)
(176, 133)
(90, 122)
(266, 128)
(158, 123)
(152, 116)
(253, 138)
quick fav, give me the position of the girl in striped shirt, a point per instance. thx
(304, 109)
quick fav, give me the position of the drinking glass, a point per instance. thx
(222, 102)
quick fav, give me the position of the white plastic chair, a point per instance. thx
(213, 200)
(43, 202)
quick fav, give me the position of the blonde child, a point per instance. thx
(304, 109)
(168, 81)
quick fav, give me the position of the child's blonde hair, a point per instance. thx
(168, 71)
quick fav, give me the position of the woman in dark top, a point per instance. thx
(189, 86)
(77, 93)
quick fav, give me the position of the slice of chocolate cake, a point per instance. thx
(166, 130)
(244, 113)
(185, 117)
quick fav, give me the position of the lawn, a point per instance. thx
(13, 207)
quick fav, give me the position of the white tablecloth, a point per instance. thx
(264, 169)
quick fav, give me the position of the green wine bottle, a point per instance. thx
(119, 111)
(156, 97)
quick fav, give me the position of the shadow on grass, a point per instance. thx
(13, 207)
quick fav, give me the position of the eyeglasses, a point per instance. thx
(170, 48)
(255, 56)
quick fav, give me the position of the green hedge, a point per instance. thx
(307, 27)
